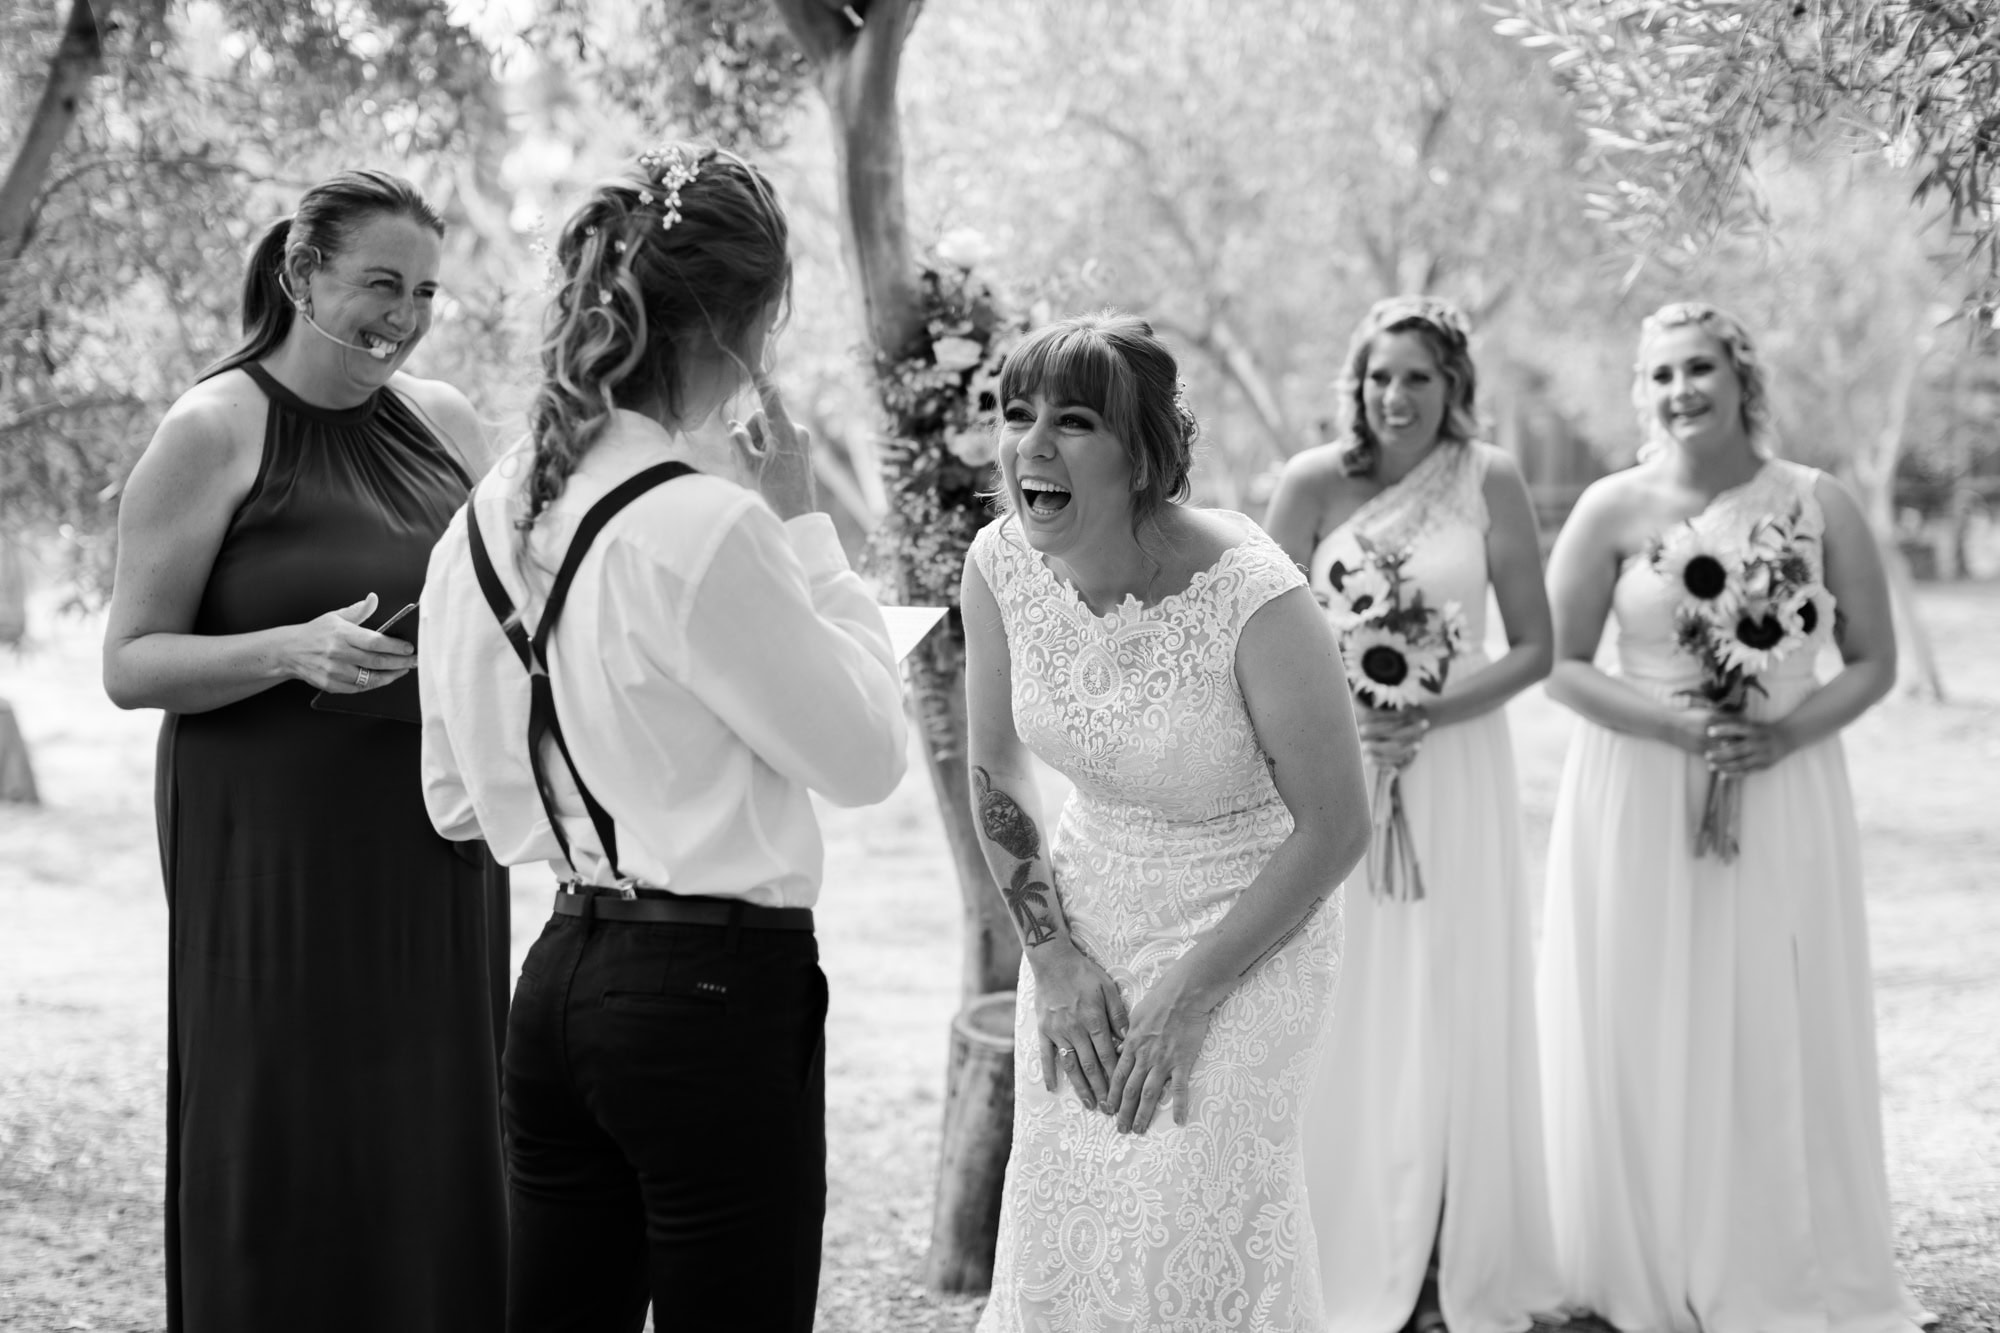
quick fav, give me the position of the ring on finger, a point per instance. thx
(361, 677)
(1065, 1050)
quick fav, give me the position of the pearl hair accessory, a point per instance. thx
(671, 168)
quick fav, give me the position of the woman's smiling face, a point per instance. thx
(1403, 392)
(1692, 387)
(1067, 474)
(376, 293)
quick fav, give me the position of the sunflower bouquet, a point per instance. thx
(1398, 650)
(1749, 598)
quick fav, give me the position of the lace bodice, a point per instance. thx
(1140, 706)
(1173, 817)
(1643, 603)
(1438, 513)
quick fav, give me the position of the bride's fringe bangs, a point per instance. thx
(1116, 366)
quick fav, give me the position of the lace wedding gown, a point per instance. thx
(1425, 1125)
(1708, 1032)
(1194, 1227)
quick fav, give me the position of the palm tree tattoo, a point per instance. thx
(1008, 827)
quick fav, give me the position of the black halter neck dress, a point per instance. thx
(338, 972)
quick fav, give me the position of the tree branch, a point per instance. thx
(78, 58)
(857, 76)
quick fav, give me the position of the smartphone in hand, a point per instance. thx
(396, 700)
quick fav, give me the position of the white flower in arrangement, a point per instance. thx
(975, 446)
(1706, 569)
(1808, 613)
(1451, 625)
(957, 353)
(964, 246)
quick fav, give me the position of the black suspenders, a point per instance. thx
(543, 724)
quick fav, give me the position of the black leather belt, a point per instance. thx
(608, 905)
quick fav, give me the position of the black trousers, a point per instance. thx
(665, 1109)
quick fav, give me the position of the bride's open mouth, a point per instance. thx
(1044, 498)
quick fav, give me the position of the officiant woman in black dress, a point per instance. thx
(337, 972)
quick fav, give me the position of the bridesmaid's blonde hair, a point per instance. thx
(1737, 349)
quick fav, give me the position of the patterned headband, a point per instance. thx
(1440, 314)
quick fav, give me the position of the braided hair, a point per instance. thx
(677, 257)
(1443, 329)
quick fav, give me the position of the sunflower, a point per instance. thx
(1808, 613)
(1706, 569)
(1359, 596)
(1386, 669)
(1757, 638)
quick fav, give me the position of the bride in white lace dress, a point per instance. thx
(1181, 947)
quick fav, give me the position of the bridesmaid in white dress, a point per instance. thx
(1707, 1027)
(1179, 947)
(1424, 1134)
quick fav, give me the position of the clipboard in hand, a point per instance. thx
(397, 700)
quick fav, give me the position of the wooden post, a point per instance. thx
(978, 1131)
(17, 777)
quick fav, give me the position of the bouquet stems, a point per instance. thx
(1393, 874)
(1721, 817)
(1722, 808)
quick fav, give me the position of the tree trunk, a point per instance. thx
(857, 64)
(77, 59)
(17, 775)
(978, 1125)
(1874, 476)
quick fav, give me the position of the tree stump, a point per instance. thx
(17, 777)
(978, 1131)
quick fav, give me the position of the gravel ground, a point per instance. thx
(82, 999)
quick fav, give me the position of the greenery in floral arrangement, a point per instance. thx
(942, 403)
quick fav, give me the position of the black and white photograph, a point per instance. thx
(1000, 666)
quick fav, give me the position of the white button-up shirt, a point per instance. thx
(711, 665)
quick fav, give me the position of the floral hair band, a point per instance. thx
(671, 169)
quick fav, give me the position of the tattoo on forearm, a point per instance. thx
(1004, 821)
(1281, 941)
(1028, 900)
(1008, 827)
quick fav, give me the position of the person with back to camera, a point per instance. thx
(637, 669)
(337, 971)
(1424, 1132)
(1179, 948)
(1708, 1032)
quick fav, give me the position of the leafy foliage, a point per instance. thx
(207, 122)
(1679, 94)
(723, 71)
(942, 410)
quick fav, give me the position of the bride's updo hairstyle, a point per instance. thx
(1737, 349)
(1443, 329)
(676, 259)
(1116, 366)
